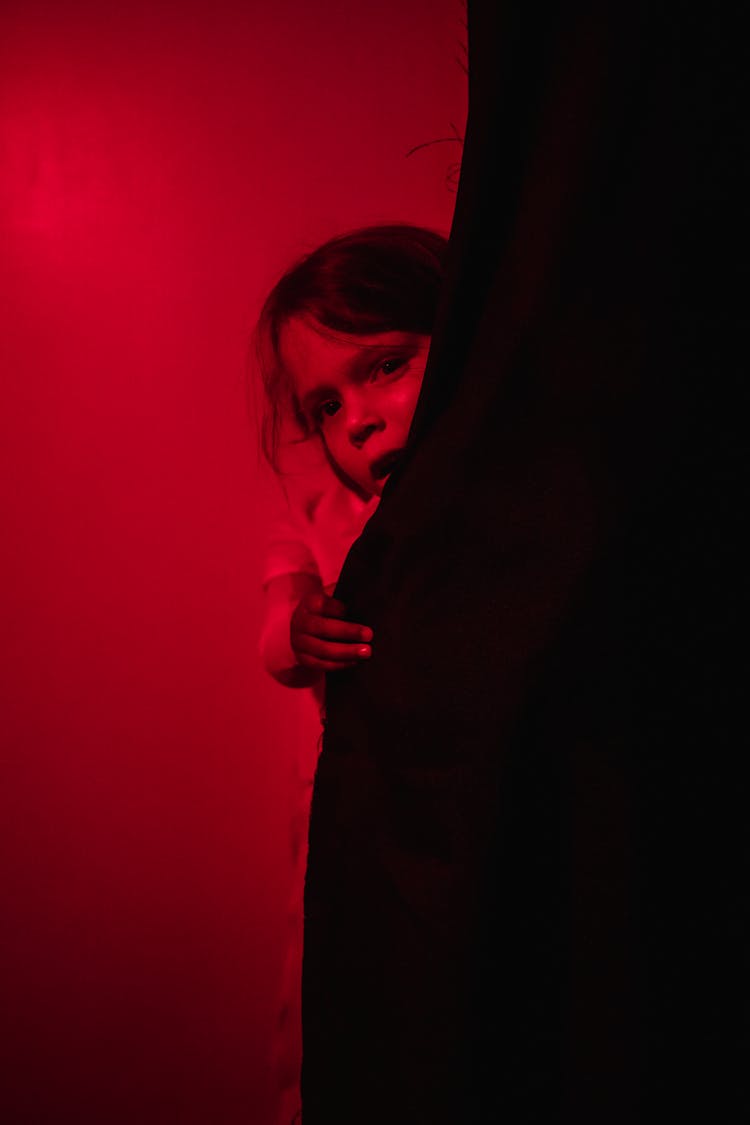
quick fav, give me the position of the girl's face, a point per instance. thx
(358, 392)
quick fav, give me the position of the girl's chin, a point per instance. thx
(373, 488)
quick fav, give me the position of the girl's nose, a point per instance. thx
(363, 426)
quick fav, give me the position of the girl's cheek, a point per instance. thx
(408, 399)
(332, 437)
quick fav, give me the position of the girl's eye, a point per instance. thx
(327, 409)
(391, 366)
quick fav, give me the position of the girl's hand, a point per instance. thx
(322, 639)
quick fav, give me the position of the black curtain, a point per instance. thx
(525, 899)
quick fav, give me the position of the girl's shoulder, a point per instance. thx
(320, 519)
(334, 518)
(316, 498)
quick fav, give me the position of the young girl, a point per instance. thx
(342, 344)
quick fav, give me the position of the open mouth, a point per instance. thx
(385, 464)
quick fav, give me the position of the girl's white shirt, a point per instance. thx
(320, 519)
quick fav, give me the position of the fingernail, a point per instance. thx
(364, 650)
(366, 634)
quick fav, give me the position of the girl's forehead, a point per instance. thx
(306, 332)
(310, 351)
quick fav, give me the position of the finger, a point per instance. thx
(333, 629)
(321, 603)
(325, 665)
(330, 650)
(337, 610)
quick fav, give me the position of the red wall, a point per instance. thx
(159, 164)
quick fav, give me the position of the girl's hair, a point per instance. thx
(377, 279)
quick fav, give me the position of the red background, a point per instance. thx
(159, 165)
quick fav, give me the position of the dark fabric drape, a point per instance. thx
(524, 898)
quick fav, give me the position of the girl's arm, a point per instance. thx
(282, 596)
(305, 633)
